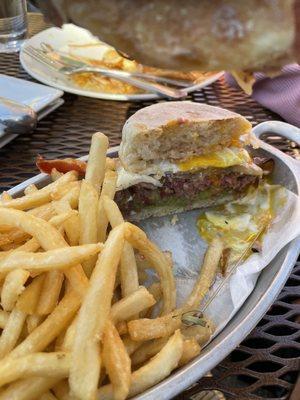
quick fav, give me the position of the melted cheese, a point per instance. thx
(222, 159)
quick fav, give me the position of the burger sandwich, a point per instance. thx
(178, 156)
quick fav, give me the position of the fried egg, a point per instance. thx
(242, 222)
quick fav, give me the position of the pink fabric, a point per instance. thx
(280, 94)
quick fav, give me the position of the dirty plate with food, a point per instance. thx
(80, 45)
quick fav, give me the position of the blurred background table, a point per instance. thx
(266, 364)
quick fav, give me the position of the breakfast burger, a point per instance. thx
(178, 156)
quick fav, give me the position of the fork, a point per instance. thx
(68, 60)
(68, 70)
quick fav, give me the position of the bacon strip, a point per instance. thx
(63, 165)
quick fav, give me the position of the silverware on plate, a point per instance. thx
(65, 67)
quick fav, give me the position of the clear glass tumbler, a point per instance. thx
(13, 25)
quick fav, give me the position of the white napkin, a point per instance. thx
(43, 99)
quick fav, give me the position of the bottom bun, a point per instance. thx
(159, 211)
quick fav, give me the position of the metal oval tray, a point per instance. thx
(269, 284)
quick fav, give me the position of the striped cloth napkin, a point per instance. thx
(280, 94)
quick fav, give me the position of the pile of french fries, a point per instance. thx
(78, 319)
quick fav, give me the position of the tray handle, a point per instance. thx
(280, 128)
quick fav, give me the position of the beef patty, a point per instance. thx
(183, 189)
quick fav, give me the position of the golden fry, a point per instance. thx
(109, 190)
(11, 332)
(159, 262)
(28, 389)
(116, 361)
(60, 258)
(128, 269)
(88, 201)
(28, 300)
(147, 329)
(93, 314)
(95, 168)
(131, 305)
(13, 286)
(207, 273)
(49, 365)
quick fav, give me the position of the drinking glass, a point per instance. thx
(13, 25)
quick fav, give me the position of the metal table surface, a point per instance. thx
(266, 364)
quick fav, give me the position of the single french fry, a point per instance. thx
(3, 318)
(158, 368)
(61, 258)
(30, 189)
(11, 332)
(28, 300)
(131, 305)
(138, 239)
(50, 292)
(147, 329)
(71, 225)
(50, 328)
(13, 286)
(207, 273)
(28, 389)
(95, 168)
(50, 365)
(94, 311)
(116, 361)
(191, 349)
(87, 207)
(128, 269)
(32, 322)
(147, 350)
(109, 190)
(41, 196)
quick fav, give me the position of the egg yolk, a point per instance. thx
(221, 159)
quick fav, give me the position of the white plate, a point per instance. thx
(58, 38)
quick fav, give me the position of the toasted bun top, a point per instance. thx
(177, 130)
